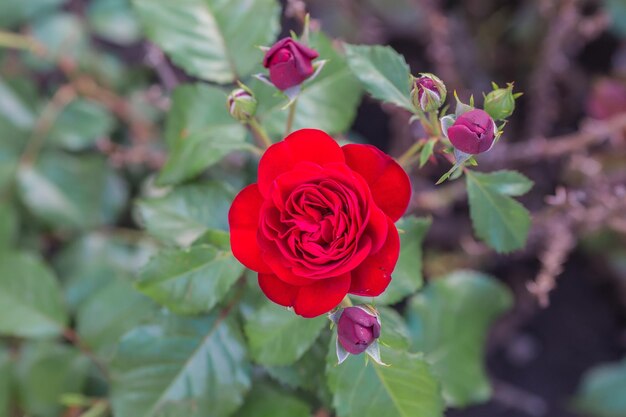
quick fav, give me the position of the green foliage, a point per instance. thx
(194, 367)
(279, 337)
(30, 300)
(500, 221)
(190, 281)
(383, 72)
(266, 401)
(601, 391)
(448, 321)
(200, 132)
(114, 21)
(211, 39)
(406, 387)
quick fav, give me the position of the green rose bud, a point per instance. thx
(500, 103)
(241, 104)
(428, 92)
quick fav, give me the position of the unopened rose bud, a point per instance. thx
(473, 132)
(500, 103)
(428, 92)
(357, 328)
(289, 63)
(241, 104)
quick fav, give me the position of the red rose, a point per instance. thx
(289, 63)
(320, 221)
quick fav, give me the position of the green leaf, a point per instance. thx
(405, 388)
(190, 281)
(266, 401)
(427, 151)
(109, 313)
(277, 336)
(328, 102)
(93, 261)
(71, 192)
(15, 12)
(45, 372)
(383, 72)
(181, 367)
(448, 321)
(6, 376)
(8, 225)
(212, 39)
(80, 124)
(498, 220)
(200, 132)
(601, 392)
(186, 212)
(13, 108)
(114, 21)
(30, 300)
(394, 332)
(407, 276)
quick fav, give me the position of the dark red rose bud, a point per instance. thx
(357, 329)
(473, 132)
(289, 63)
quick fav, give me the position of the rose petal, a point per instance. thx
(377, 228)
(322, 296)
(303, 145)
(243, 219)
(372, 277)
(270, 52)
(278, 291)
(389, 183)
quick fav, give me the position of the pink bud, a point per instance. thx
(357, 329)
(473, 132)
(289, 63)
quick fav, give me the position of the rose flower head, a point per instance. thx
(473, 132)
(319, 223)
(289, 63)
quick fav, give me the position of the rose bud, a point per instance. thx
(428, 92)
(241, 104)
(289, 63)
(357, 329)
(473, 132)
(500, 103)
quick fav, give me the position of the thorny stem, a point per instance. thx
(259, 133)
(291, 116)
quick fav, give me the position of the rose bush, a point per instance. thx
(319, 224)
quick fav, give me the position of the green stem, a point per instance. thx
(346, 302)
(17, 41)
(291, 116)
(259, 132)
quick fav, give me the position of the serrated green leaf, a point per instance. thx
(266, 401)
(405, 388)
(448, 321)
(278, 336)
(200, 132)
(498, 220)
(190, 281)
(328, 102)
(30, 300)
(215, 40)
(186, 212)
(71, 192)
(181, 367)
(383, 72)
(45, 372)
(109, 313)
(601, 391)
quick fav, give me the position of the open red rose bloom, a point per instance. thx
(319, 224)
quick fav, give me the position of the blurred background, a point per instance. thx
(568, 57)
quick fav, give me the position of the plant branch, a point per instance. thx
(291, 116)
(18, 41)
(259, 133)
